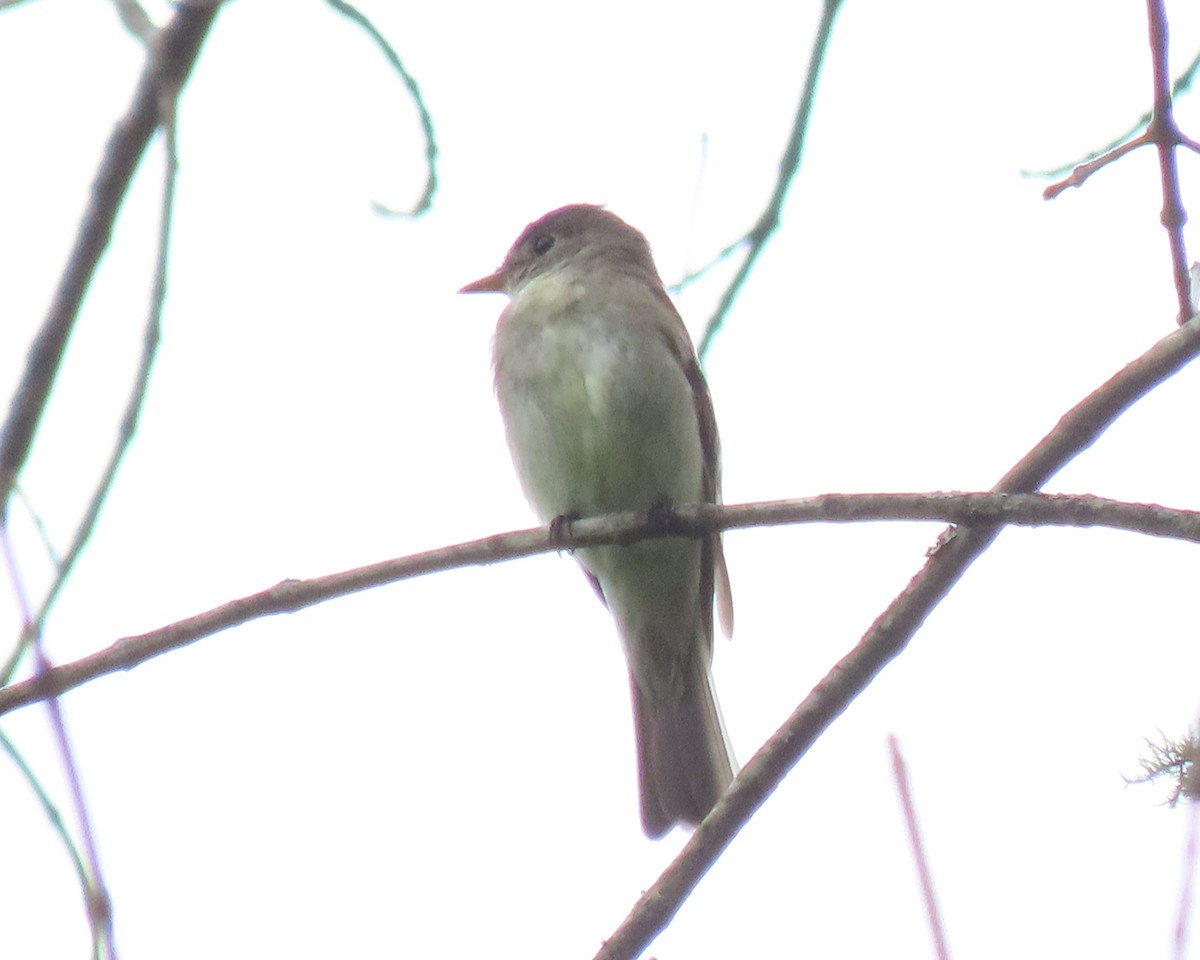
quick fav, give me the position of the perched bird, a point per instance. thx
(606, 410)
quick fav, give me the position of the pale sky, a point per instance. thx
(445, 767)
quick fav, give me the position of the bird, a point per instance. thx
(606, 409)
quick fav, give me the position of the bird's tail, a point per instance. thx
(684, 760)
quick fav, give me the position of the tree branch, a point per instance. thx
(290, 596)
(1180, 84)
(171, 57)
(1165, 135)
(948, 560)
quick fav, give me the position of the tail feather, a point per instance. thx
(684, 761)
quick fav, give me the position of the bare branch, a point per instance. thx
(887, 637)
(1164, 133)
(1182, 83)
(288, 596)
(1085, 170)
(170, 60)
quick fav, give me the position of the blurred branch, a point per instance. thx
(135, 20)
(1164, 133)
(933, 915)
(171, 57)
(431, 149)
(289, 596)
(95, 891)
(1187, 891)
(768, 222)
(886, 638)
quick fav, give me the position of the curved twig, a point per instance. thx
(431, 148)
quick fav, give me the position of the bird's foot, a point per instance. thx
(560, 529)
(660, 518)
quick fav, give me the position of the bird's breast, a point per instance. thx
(599, 414)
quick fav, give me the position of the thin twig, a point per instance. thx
(66, 563)
(137, 396)
(1187, 886)
(290, 596)
(933, 915)
(133, 407)
(53, 816)
(1085, 170)
(789, 164)
(95, 891)
(1182, 83)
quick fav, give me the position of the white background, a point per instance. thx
(445, 767)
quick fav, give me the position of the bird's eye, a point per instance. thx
(543, 244)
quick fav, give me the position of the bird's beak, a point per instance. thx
(493, 283)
